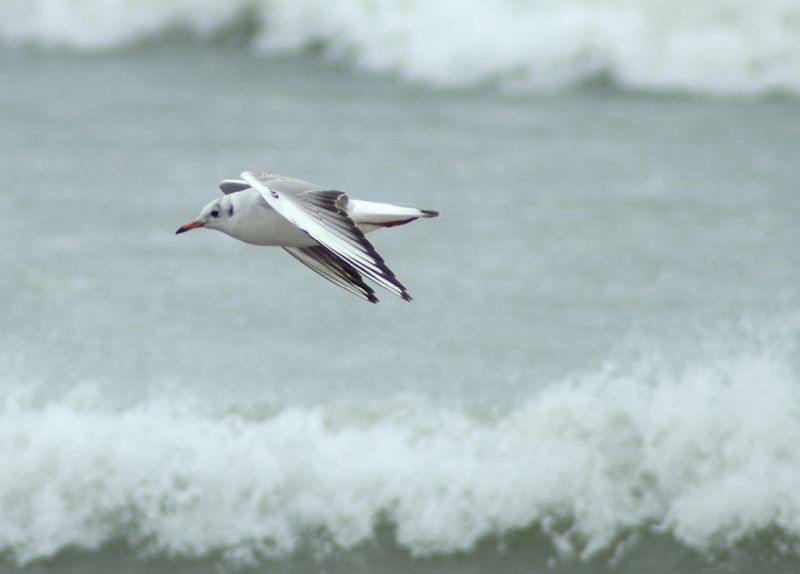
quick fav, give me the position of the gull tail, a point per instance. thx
(369, 215)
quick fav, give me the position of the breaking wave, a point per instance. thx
(716, 46)
(708, 455)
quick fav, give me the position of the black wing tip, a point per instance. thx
(430, 212)
(366, 290)
(406, 297)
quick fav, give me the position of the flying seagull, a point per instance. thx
(320, 227)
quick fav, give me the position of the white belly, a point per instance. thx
(262, 225)
(269, 228)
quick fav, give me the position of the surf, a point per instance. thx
(705, 454)
(716, 47)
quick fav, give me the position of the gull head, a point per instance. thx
(216, 215)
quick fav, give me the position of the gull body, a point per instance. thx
(254, 221)
(321, 227)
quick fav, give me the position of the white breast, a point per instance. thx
(255, 222)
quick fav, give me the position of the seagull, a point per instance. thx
(321, 227)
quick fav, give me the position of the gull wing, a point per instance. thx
(334, 269)
(232, 185)
(322, 214)
(283, 183)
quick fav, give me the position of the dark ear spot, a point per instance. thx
(230, 211)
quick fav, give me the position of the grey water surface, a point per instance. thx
(588, 238)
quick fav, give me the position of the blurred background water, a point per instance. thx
(599, 370)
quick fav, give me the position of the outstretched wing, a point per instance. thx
(334, 269)
(279, 182)
(322, 214)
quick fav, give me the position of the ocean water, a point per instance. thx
(599, 372)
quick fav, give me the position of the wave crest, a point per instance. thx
(709, 456)
(719, 46)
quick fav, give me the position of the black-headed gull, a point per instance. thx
(321, 227)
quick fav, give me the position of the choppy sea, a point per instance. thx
(601, 368)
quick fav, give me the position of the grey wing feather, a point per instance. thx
(332, 268)
(290, 185)
(232, 185)
(279, 183)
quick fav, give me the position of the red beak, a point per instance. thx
(188, 226)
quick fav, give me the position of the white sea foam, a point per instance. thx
(736, 46)
(709, 455)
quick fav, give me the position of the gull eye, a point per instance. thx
(215, 213)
